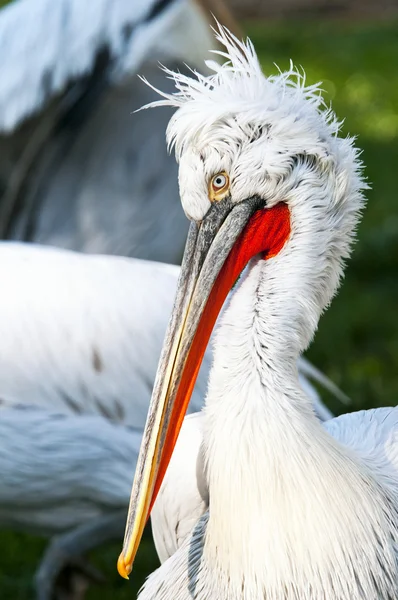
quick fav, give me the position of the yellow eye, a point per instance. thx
(219, 186)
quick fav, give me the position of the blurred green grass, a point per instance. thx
(357, 342)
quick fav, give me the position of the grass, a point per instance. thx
(357, 341)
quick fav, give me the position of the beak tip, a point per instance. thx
(123, 568)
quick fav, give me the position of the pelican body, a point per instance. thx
(297, 510)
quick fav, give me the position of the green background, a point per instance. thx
(357, 341)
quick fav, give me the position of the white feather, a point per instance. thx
(372, 435)
(59, 471)
(44, 45)
(83, 333)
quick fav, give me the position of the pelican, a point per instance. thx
(296, 509)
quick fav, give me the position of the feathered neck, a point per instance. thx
(292, 514)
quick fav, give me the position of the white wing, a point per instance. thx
(59, 471)
(44, 45)
(83, 333)
(373, 436)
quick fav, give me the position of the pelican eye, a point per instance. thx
(219, 186)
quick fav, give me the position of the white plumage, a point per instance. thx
(371, 434)
(298, 510)
(78, 169)
(60, 471)
(58, 43)
(82, 333)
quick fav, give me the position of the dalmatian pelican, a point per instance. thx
(297, 509)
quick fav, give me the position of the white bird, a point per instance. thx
(65, 345)
(77, 169)
(297, 509)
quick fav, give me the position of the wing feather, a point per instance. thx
(45, 44)
(373, 436)
(82, 333)
(59, 471)
(183, 497)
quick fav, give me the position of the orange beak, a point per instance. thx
(216, 252)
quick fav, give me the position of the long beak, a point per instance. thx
(216, 252)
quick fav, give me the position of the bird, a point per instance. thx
(296, 508)
(78, 170)
(81, 338)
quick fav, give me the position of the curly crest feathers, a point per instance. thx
(238, 87)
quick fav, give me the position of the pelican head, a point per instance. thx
(263, 175)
